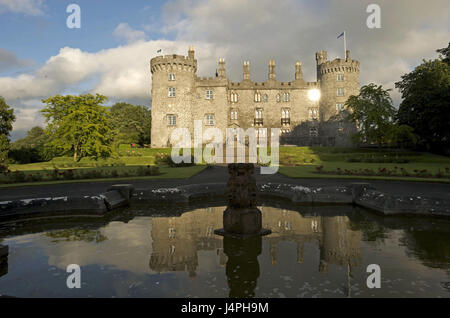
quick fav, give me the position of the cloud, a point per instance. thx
(121, 73)
(124, 32)
(27, 7)
(239, 30)
(9, 60)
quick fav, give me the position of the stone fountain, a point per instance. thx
(242, 218)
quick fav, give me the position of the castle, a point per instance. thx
(307, 113)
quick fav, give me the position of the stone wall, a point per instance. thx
(191, 103)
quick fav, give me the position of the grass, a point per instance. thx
(295, 162)
(301, 162)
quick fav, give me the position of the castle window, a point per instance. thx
(340, 77)
(340, 92)
(172, 92)
(257, 97)
(313, 132)
(234, 97)
(258, 117)
(171, 77)
(209, 119)
(287, 97)
(234, 114)
(313, 113)
(171, 120)
(340, 107)
(209, 94)
(265, 98)
(278, 98)
(285, 116)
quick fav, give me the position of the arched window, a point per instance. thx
(287, 97)
(278, 98)
(257, 97)
(234, 97)
(266, 98)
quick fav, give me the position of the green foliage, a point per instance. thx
(403, 136)
(162, 159)
(32, 148)
(426, 104)
(4, 149)
(79, 125)
(133, 124)
(373, 112)
(7, 117)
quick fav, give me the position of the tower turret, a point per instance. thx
(173, 87)
(339, 79)
(247, 70)
(272, 74)
(221, 71)
(298, 71)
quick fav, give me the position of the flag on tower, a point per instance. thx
(341, 35)
(159, 51)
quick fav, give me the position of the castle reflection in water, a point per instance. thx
(177, 240)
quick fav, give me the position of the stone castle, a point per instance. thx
(307, 113)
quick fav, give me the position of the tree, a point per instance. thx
(79, 125)
(372, 111)
(446, 53)
(426, 103)
(32, 148)
(7, 118)
(132, 123)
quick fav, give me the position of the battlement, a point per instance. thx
(337, 65)
(187, 63)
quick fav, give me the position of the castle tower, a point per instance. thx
(173, 87)
(272, 74)
(339, 79)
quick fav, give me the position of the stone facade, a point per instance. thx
(179, 97)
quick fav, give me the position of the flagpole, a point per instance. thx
(345, 46)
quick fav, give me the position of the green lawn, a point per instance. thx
(301, 162)
(296, 162)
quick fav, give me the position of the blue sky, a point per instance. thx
(42, 36)
(110, 54)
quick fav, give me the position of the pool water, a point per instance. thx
(312, 252)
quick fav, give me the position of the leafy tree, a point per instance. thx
(132, 123)
(79, 125)
(373, 112)
(403, 136)
(7, 118)
(426, 103)
(32, 148)
(446, 53)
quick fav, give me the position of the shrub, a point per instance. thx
(166, 160)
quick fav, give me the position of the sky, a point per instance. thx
(110, 54)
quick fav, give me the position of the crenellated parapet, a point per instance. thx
(346, 65)
(173, 62)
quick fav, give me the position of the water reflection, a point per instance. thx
(4, 251)
(319, 251)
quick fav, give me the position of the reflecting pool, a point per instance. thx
(143, 252)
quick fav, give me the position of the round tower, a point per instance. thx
(173, 87)
(339, 79)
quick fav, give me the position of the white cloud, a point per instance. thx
(124, 32)
(238, 30)
(27, 7)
